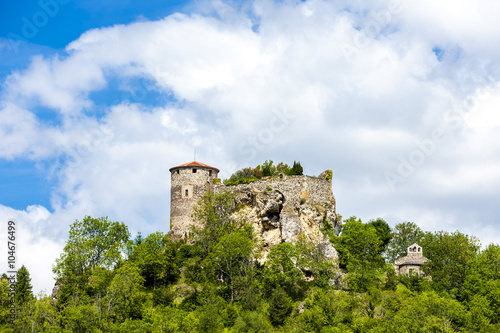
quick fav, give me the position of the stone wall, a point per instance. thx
(283, 207)
(406, 269)
(412, 262)
(280, 208)
(187, 188)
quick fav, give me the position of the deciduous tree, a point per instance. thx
(403, 235)
(451, 256)
(92, 243)
(359, 247)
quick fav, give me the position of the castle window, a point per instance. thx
(210, 173)
(187, 193)
(194, 170)
(177, 171)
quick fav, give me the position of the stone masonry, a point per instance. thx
(412, 262)
(189, 182)
(280, 208)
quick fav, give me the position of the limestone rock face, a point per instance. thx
(291, 226)
(328, 250)
(281, 209)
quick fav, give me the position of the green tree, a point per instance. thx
(280, 307)
(92, 243)
(383, 231)
(98, 284)
(491, 292)
(482, 314)
(282, 168)
(403, 235)
(155, 256)
(4, 300)
(268, 169)
(359, 248)
(224, 247)
(126, 296)
(281, 270)
(391, 281)
(252, 321)
(415, 282)
(296, 169)
(426, 312)
(311, 258)
(451, 257)
(233, 257)
(482, 277)
(489, 262)
(37, 315)
(23, 286)
(214, 213)
(327, 308)
(208, 313)
(81, 318)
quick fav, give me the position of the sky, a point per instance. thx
(98, 99)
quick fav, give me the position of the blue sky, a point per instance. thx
(56, 24)
(98, 99)
(64, 20)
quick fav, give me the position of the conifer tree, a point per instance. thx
(23, 286)
(296, 169)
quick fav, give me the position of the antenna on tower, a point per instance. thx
(195, 155)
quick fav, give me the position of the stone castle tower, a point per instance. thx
(189, 182)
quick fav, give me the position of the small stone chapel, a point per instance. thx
(412, 262)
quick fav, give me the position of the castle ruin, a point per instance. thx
(279, 207)
(189, 182)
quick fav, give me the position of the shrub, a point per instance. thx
(267, 169)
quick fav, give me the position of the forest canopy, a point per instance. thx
(218, 282)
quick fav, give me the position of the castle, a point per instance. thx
(189, 182)
(279, 207)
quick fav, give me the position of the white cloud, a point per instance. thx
(284, 90)
(34, 249)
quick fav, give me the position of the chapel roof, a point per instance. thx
(413, 257)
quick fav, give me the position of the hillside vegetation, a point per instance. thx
(108, 282)
(267, 169)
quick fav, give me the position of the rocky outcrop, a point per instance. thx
(282, 208)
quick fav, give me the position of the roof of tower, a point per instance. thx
(194, 164)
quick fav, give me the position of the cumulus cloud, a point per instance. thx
(34, 249)
(359, 88)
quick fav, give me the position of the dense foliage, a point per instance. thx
(267, 169)
(110, 283)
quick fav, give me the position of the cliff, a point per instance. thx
(283, 207)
